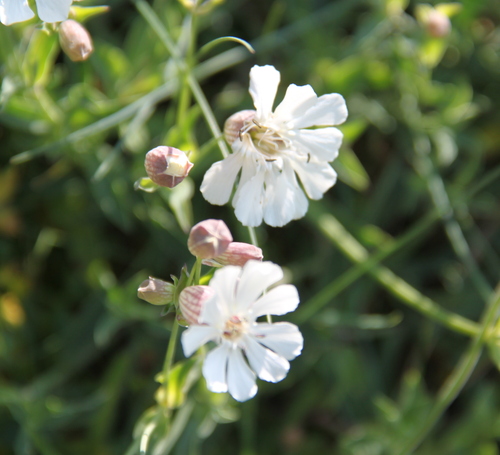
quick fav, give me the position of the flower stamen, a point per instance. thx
(234, 328)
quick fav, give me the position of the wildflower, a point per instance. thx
(272, 148)
(167, 166)
(237, 253)
(75, 40)
(12, 11)
(156, 292)
(246, 348)
(209, 239)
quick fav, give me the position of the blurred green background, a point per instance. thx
(79, 351)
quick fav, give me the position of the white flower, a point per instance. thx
(272, 148)
(246, 348)
(12, 11)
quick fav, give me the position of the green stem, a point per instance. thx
(169, 356)
(152, 19)
(332, 14)
(406, 293)
(457, 380)
(197, 271)
(425, 167)
(329, 292)
(185, 92)
(488, 178)
(253, 236)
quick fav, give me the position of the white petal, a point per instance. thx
(224, 282)
(317, 178)
(327, 111)
(215, 368)
(264, 81)
(278, 301)
(297, 100)
(282, 337)
(53, 10)
(255, 278)
(12, 11)
(267, 365)
(249, 168)
(284, 199)
(249, 203)
(213, 313)
(196, 336)
(219, 180)
(240, 378)
(322, 143)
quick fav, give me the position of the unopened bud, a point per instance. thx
(167, 166)
(237, 253)
(209, 239)
(156, 292)
(191, 302)
(75, 40)
(437, 23)
(237, 123)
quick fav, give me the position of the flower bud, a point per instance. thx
(237, 253)
(156, 292)
(75, 40)
(437, 23)
(236, 123)
(167, 166)
(209, 239)
(191, 302)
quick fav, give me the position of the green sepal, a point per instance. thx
(82, 13)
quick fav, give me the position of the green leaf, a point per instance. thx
(449, 9)
(82, 13)
(180, 379)
(211, 44)
(395, 7)
(431, 51)
(494, 352)
(179, 200)
(351, 171)
(39, 58)
(146, 184)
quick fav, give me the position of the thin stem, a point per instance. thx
(185, 92)
(169, 356)
(425, 167)
(329, 292)
(406, 293)
(457, 380)
(197, 271)
(335, 12)
(253, 236)
(152, 19)
(490, 177)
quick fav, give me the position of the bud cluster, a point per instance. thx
(212, 242)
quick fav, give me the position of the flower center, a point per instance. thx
(234, 328)
(265, 140)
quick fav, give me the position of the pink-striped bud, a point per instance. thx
(167, 166)
(209, 239)
(236, 123)
(237, 253)
(438, 24)
(156, 292)
(75, 40)
(191, 302)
